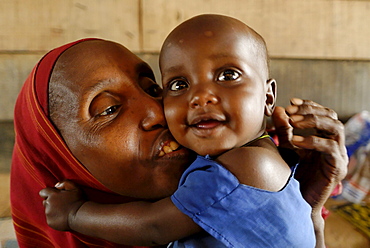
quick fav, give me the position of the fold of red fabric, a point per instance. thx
(41, 159)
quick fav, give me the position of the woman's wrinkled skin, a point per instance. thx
(111, 118)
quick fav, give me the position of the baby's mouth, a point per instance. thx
(207, 121)
(168, 148)
(207, 124)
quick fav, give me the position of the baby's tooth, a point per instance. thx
(161, 154)
(167, 149)
(174, 145)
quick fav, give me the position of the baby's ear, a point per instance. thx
(270, 96)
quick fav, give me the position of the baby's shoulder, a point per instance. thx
(257, 166)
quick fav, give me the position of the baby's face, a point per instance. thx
(214, 91)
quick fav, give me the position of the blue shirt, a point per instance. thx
(238, 215)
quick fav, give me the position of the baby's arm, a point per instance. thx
(135, 223)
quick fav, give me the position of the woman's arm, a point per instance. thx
(322, 152)
(134, 223)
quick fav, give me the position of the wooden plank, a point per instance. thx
(292, 28)
(40, 25)
(340, 85)
(14, 69)
(5, 203)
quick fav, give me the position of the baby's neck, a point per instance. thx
(263, 140)
(250, 143)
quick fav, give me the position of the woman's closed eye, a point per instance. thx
(154, 90)
(229, 75)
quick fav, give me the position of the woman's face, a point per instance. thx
(113, 122)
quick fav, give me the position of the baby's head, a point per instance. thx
(216, 83)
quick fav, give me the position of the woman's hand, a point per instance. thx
(61, 204)
(320, 146)
(322, 152)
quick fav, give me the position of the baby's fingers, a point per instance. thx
(45, 193)
(66, 185)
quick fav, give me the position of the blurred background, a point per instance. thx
(319, 49)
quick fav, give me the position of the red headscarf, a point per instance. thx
(41, 159)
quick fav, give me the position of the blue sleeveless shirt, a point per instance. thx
(238, 215)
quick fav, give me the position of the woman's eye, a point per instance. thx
(178, 85)
(228, 75)
(109, 111)
(154, 90)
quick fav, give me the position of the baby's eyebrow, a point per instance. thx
(219, 55)
(174, 68)
(223, 55)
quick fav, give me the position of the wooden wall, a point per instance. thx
(320, 49)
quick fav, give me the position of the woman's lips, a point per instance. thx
(168, 148)
(165, 144)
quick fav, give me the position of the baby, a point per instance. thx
(239, 192)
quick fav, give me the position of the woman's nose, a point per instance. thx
(154, 115)
(202, 98)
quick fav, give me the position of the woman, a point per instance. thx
(90, 112)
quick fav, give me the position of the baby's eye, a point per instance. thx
(109, 111)
(229, 75)
(178, 84)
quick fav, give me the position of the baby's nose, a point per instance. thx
(202, 99)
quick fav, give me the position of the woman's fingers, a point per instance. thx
(323, 145)
(325, 128)
(306, 107)
(321, 130)
(325, 124)
(306, 115)
(283, 129)
(334, 153)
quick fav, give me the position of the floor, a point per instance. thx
(7, 236)
(338, 232)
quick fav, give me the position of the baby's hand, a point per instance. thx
(61, 204)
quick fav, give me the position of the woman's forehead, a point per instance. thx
(95, 59)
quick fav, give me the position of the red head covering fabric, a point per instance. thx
(41, 159)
